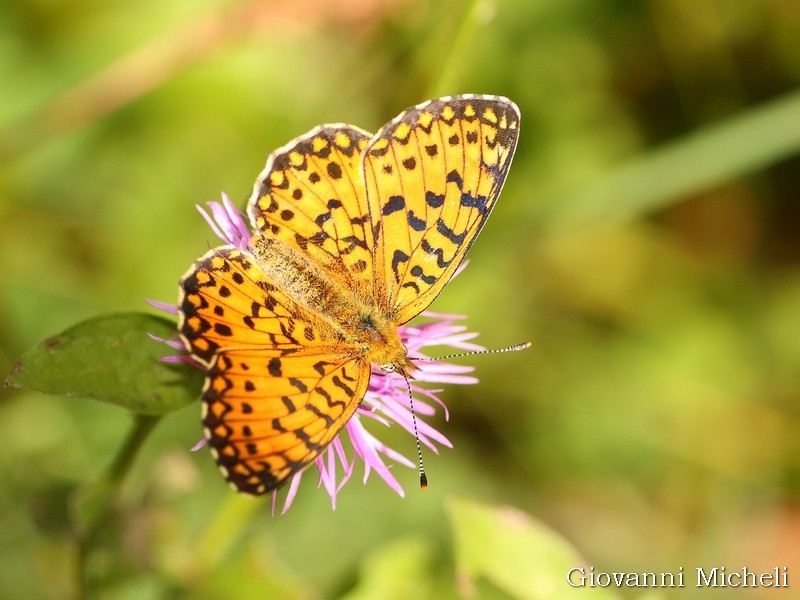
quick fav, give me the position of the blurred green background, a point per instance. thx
(647, 242)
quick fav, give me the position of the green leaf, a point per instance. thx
(397, 570)
(746, 142)
(521, 556)
(111, 359)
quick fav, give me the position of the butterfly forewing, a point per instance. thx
(311, 197)
(433, 175)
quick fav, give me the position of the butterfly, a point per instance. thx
(355, 235)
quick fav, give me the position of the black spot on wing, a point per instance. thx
(302, 387)
(274, 367)
(306, 439)
(334, 170)
(398, 258)
(455, 177)
(339, 382)
(394, 204)
(222, 329)
(417, 271)
(415, 222)
(438, 253)
(327, 418)
(470, 201)
(434, 200)
(456, 238)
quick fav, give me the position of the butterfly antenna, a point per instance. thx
(514, 348)
(423, 479)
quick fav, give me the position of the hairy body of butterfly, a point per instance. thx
(351, 321)
(356, 234)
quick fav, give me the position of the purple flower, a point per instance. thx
(387, 398)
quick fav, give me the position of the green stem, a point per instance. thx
(92, 505)
(142, 427)
(453, 63)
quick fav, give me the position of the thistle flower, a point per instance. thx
(387, 398)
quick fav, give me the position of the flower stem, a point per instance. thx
(92, 505)
(142, 427)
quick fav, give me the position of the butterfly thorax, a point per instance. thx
(344, 316)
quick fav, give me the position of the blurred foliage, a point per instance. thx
(647, 242)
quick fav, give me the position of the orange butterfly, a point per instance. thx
(356, 234)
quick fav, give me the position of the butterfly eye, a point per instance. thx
(388, 368)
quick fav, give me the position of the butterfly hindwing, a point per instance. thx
(432, 176)
(267, 415)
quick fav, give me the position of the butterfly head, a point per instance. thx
(404, 368)
(393, 358)
(402, 365)
(381, 344)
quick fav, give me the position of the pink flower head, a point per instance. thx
(386, 401)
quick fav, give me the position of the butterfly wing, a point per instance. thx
(278, 386)
(433, 175)
(311, 196)
(268, 414)
(226, 301)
